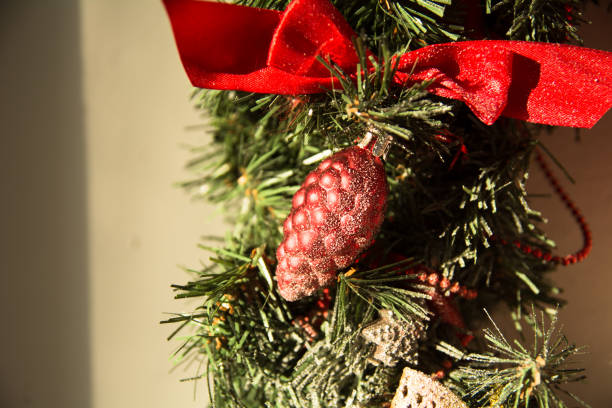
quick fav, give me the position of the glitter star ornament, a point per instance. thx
(334, 217)
(418, 390)
(395, 339)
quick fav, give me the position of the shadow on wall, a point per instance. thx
(43, 248)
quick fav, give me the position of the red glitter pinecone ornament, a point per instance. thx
(334, 217)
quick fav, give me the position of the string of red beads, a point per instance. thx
(436, 280)
(584, 227)
(311, 323)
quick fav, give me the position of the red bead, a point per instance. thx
(472, 294)
(334, 217)
(580, 255)
(432, 279)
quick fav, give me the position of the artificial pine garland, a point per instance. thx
(458, 234)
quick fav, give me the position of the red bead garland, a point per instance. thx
(436, 280)
(442, 305)
(584, 227)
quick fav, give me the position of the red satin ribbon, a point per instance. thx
(225, 46)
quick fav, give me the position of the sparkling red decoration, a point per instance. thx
(228, 46)
(334, 217)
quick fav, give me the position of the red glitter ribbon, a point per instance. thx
(225, 46)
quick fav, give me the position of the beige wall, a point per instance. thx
(136, 112)
(44, 329)
(94, 108)
(93, 113)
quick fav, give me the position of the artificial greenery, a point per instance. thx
(512, 374)
(454, 185)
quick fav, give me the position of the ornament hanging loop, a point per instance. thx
(376, 141)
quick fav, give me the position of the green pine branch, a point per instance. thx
(454, 183)
(538, 20)
(513, 374)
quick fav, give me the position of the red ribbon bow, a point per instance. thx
(225, 46)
